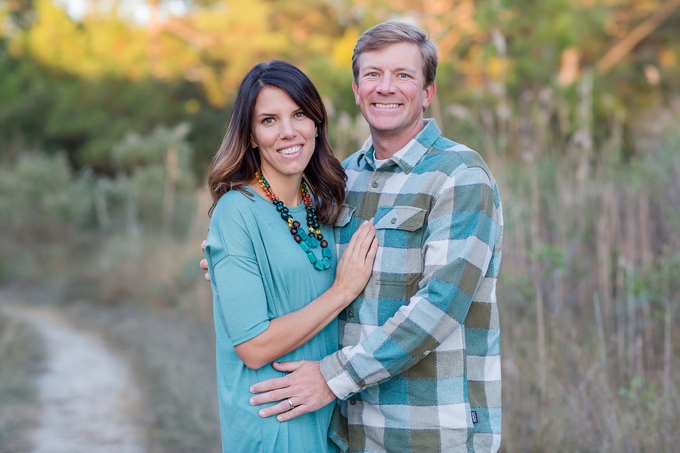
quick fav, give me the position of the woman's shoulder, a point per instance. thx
(235, 206)
(235, 201)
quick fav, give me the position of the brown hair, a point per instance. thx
(388, 33)
(236, 161)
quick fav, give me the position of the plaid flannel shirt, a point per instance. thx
(419, 369)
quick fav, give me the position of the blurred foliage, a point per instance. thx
(40, 198)
(79, 86)
(45, 206)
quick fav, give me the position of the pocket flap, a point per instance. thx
(407, 218)
(345, 215)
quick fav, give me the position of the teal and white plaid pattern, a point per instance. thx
(420, 366)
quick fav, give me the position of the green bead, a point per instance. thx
(309, 242)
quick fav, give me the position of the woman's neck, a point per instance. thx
(286, 189)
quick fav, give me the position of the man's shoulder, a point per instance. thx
(450, 156)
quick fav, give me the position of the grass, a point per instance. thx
(21, 357)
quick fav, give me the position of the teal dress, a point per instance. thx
(258, 272)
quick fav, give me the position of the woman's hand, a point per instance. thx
(204, 262)
(356, 265)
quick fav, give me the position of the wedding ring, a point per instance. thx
(290, 402)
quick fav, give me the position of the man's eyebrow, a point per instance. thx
(397, 69)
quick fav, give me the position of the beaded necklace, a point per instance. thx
(314, 238)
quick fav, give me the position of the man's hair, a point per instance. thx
(388, 33)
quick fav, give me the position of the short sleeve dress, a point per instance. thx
(258, 272)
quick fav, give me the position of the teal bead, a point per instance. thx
(312, 240)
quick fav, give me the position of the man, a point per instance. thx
(419, 369)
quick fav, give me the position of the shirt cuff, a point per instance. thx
(338, 379)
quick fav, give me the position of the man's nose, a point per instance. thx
(386, 84)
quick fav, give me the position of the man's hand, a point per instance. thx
(305, 387)
(204, 262)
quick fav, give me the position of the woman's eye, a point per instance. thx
(299, 115)
(268, 121)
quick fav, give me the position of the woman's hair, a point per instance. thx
(236, 161)
(388, 33)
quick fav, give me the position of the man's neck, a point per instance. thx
(385, 145)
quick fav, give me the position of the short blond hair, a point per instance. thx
(388, 33)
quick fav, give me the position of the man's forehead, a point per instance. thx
(394, 56)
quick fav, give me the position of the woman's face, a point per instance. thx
(284, 134)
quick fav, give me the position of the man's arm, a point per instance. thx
(463, 227)
(461, 236)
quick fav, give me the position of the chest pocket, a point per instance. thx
(400, 231)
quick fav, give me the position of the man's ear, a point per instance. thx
(355, 88)
(430, 90)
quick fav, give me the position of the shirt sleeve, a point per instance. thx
(237, 284)
(459, 242)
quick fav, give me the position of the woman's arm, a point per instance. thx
(289, 332)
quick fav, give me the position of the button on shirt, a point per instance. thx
(420, 357)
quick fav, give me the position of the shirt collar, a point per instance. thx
(407, 157)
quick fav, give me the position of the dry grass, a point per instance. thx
(21, 356)
(588, 296)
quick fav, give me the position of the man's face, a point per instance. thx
(390, 91)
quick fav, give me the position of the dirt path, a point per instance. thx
(90, 403)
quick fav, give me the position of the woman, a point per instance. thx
(276, 290)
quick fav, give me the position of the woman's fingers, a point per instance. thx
(361, 240)
(372, 251)
(356, 264)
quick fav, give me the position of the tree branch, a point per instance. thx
(623, 47)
